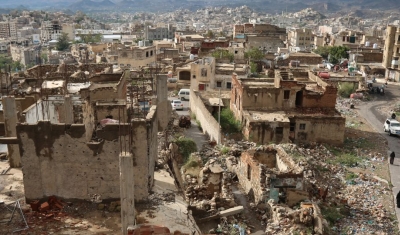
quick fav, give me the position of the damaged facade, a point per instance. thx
(69, 144)
(294, 106)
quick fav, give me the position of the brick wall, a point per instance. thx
(255, 184)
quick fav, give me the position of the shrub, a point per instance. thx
(228, 123)
(351, 175)
(191, 162)
(186, 147)
(331, 214)
(348, 159)
(345, 89)
(225, 150)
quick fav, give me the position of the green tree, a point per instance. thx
(91, 38)
(253, 67)
(210, 34)
(338, 52)
(222, 54)
(63, 42)
(254, 54)
(334, 53)
(322, 51)
(44, 58)
(16, 65)
(5, 61)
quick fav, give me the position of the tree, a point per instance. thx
(338, 52)
(5, 61)
(63, 42)
(222, 54)
(44, 58)
(253, 67)
(210, 34)
(254, 54)
(322, 51)
(333, 53)
(16, 65)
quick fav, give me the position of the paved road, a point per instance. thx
(376, 119)
(194, 131)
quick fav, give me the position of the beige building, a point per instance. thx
(25, 55)
(295, 106)
(8, 29)
(69, 29)
(300, 40)
(391, 53)
(130, 56)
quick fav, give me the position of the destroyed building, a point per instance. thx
(270, 173)
(293, 106)
(69, 144)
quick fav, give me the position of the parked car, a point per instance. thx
(184, 94)
(177, 105)
(392, 126)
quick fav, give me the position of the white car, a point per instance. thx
(392, 126)
(177, 105)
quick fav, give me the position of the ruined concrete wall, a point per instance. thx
(265, 132)
(42, 110)
(270, 43)
(267, 99)
(152, 145)
(58, 161)
(325, 100)
(252, 177)
(88, 119)
(104, 93)
(320, 130)
(209, 125)
(117, 112)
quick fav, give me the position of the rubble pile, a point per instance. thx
(211, 189)
(363, 195)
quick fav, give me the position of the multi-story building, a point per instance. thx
(294, 106)
(391, 53)
(300, 40)
(69, 29)
(131, 57)
(159, 33)
(266, 37)
(28, 56)
(8, 29)
(51, 30)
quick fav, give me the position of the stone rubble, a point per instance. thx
(359, 201)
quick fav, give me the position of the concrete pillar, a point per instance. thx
(127, 191)
(162, 88)
(10, 124)
(164, 108)
(69, 110)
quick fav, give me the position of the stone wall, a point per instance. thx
(260, 170)
(59, 161)
(209, 125)
(265, 132)
(322, 129)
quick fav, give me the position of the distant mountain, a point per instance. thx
(270, 6)
(92, 5)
